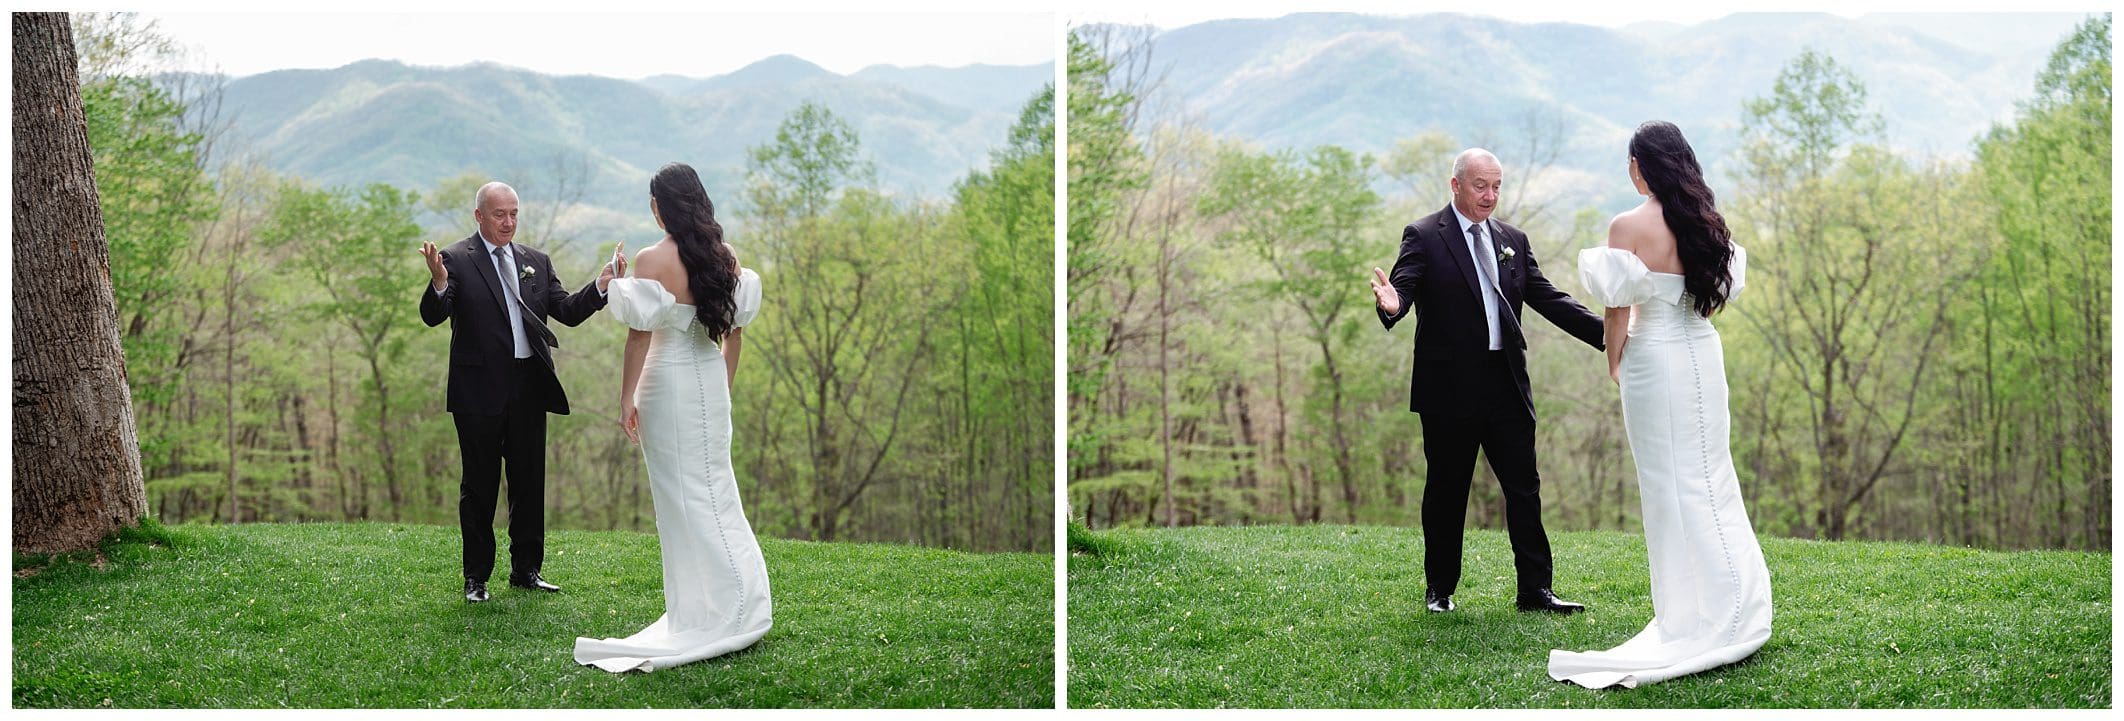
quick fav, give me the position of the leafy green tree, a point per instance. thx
(1310, 220)
(351, 246)
(2045, 301)
(814, 157)
(155, 197)
(1001, 329)
(1421, 163)
(852, 326)
(1105, 165)
(1849, 295)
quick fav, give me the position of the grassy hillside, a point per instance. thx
(369, 615)
(1332, 616)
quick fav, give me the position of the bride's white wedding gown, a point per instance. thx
(1710, 588)
(715, 581)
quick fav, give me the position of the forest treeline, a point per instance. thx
(1922, 351)
(897, 386)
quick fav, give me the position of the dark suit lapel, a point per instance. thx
(1508, 278)
(541, 336)
(523, 260)
(1456, 241)
(1500, 240)
(485, 259)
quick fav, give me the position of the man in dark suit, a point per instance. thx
(497, 295)
(1466, 275)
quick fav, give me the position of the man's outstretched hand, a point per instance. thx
(1383, 293)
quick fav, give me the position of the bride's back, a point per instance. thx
(1643, 231)
(660, 262)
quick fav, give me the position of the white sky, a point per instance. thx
(1171, 15)
(636, 42)
(639, 38)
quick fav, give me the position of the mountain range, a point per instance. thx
(1939, 81)
(384, 121)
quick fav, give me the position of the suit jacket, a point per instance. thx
(1436, 277)
(483, 369)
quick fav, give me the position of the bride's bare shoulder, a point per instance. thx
(656, 255)
(1631, 227)
(660, 262)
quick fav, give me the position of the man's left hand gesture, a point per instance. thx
(615, 269)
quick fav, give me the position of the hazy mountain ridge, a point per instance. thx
(412, 126)
(1363, 82)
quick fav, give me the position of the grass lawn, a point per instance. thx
(370, 615)
(1332, 616)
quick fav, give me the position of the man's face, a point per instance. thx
(1476, 195)
(497, 217)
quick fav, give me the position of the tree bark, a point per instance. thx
(1165, 382)
(77, 460)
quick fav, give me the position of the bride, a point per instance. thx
(1669, 266)
(687, 306)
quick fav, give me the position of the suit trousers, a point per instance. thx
(1503, 430)
(517, 437)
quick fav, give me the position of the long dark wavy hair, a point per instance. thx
(711, 269)
(1669, 168)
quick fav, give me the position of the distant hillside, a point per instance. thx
(384, 121)
(1364, 81)
(991, 88)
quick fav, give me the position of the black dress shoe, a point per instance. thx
(533, 582)
(475, 591)
(1436, 603)
(1542, 599)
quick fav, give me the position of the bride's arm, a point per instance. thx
(630, 372)
(1615, 324)
(733, 343)
(1617, 330)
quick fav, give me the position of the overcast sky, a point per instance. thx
(1609, 14)
(623, 45)
(639, 38)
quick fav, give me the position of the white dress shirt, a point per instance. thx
(1481, 252)
(505, 268)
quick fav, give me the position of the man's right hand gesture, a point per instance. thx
(1383, 292)
(440, 274)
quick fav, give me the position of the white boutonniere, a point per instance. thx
(1506, 254)
(525, 272)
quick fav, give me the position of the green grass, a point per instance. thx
(1332, 616)
(369, 615)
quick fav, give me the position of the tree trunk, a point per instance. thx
(77, 461)
(1249, 452)
(1165, 386)
(1283, 434)
(228, 381)
(1343, 464)
(383, 431)
(825, 464)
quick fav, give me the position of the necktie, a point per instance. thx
(1486, 261)
(505, 267)
(1486, 266)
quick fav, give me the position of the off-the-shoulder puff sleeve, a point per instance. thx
(1614, 277)
(640, 303)
(747, 297)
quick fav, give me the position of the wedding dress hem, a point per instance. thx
(716, 596)
(1710, 586)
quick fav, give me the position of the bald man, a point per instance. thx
(1466, 275)
(498, 295)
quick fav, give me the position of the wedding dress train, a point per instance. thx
(1710, 587)
(715, 580)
